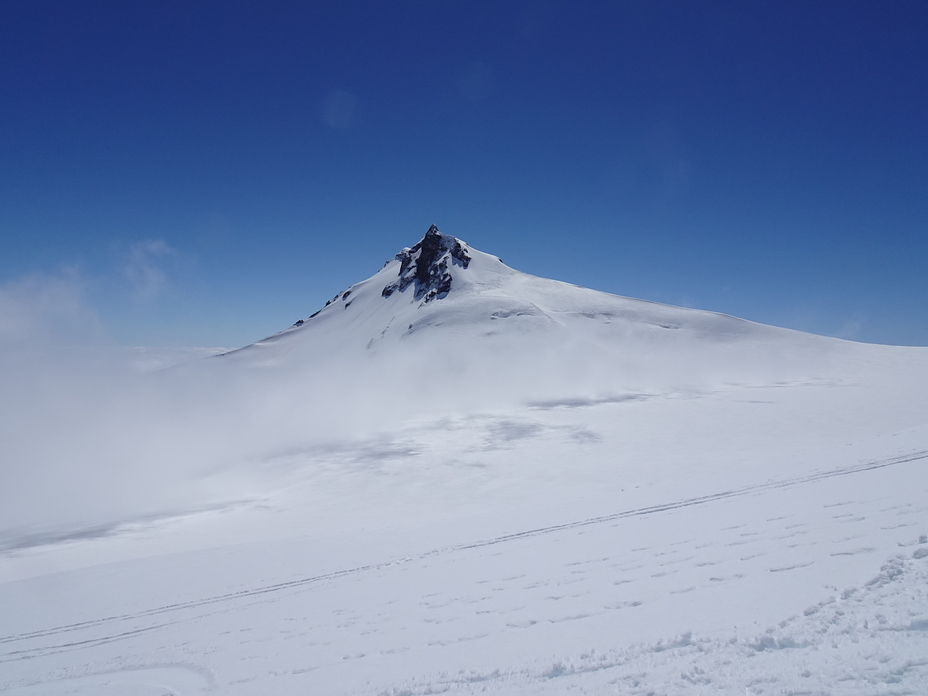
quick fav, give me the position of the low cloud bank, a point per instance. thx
(87, 440)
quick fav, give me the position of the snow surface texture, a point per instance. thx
(457, 478)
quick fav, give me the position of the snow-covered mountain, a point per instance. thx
(443, 282)
(445, 311)
(459, 478)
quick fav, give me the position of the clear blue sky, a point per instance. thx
(206, 173)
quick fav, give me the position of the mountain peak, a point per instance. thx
(426, 266)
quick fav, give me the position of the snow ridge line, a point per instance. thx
(301, 582)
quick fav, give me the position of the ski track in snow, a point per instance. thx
(877, 622)
(302, 582)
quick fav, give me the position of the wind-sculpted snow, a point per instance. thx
(478, 482)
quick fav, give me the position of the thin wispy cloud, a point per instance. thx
(852, 328)
(46, 307)
(148, 266)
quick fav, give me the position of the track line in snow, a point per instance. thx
(27, 653)
(701, 500)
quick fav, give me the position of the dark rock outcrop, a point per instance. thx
(426, 266)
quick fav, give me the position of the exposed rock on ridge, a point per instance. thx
(426, 266)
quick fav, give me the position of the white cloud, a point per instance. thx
(42, 308)
(852, 327)
(147, 267)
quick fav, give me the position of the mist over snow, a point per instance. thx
(88, 435)
(457, 477)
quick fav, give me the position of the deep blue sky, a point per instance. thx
(209, 172)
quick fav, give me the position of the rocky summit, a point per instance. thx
(425, 266)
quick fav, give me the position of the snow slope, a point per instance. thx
(442, 319)
(459, 478)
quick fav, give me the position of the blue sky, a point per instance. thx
(207, 173)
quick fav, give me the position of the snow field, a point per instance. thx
(492, 483)
(724, 581)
